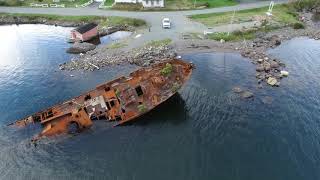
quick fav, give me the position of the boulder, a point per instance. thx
(272, 81)
(266, 66)
(284, 73)
(260, 68)
(81, 48)
(274, 64)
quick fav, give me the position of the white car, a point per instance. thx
(166, 23)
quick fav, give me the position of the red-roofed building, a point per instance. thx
(84, 32)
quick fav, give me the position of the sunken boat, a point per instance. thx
(122, 100)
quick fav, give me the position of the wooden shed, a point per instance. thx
(84, 32)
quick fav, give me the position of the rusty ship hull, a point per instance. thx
(122, 100)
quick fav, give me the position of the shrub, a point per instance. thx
(142, 108)
(298, 25)
(202, 4)
(166, 70)
(175, 87)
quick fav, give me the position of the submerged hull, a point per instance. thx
(123, 99)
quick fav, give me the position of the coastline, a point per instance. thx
(269, 69)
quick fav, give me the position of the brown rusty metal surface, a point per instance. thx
(122, 99)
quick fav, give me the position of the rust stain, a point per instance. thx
(122, 100)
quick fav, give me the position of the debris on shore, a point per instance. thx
(98, 58)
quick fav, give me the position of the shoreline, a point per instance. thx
(268, 69)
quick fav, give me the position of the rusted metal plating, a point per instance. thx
(121, 100)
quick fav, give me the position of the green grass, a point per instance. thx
(166, 70)
(108, 2)
(67, 3)
(128, 6)
(281, 13)
(142, 108)
(232, 36)
(116, 45)
(102, 21)
(190, 4)
(305, 4)
(171, 5)
(157, 43)
(240, 35)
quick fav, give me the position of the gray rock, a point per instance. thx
(274, 64)
(237, 90)
(246, 94)
(260, 68)
(267, 100)
(266, 66)
(272, 81)
(81, 48)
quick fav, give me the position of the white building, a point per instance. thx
(145, 3)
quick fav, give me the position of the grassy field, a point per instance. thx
(193, 4)
(102, 21)
(281, 13)
(241, 35)
(171, 5)
(157, 43)
(108, 2)
(116, 45)
(27, 2)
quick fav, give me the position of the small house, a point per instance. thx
(84, 32)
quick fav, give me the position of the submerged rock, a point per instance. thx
(237, 90)
(246, 94)
(267, 100)
(81, 48)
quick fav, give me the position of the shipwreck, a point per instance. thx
(122, 100)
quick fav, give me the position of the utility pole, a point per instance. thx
(231, 21)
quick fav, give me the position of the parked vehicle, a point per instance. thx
(166, 23)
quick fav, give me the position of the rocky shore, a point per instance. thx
(98, 58)
(7, 20)
(268, 69)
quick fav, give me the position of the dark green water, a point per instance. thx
(206, 132)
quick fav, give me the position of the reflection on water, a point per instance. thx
(175, 114)
(110, 38)
(205, 132)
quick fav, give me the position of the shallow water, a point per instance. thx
(206, 132)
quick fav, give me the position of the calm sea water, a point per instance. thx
(206, 132)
